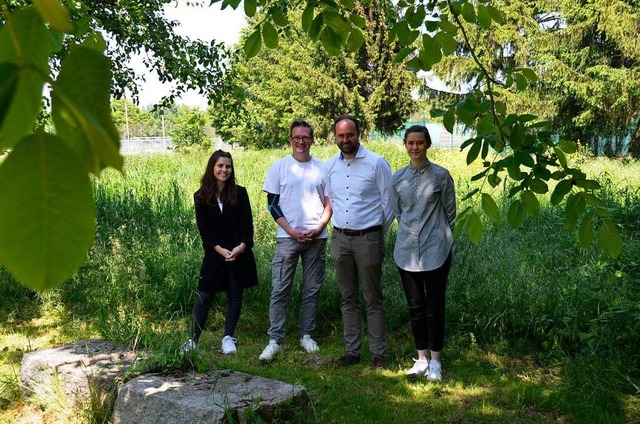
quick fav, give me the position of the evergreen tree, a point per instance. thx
(300, 80)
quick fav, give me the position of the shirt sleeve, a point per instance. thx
(246, 221)
(383, 181)
(205, 228)
(396, 203)
(449, 200)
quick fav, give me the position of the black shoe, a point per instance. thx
(380, 362)
(347, 360)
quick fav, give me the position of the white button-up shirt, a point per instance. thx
(424, 201)
(359, 190)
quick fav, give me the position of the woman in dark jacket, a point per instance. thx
(225, 223)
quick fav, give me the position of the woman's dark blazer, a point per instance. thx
(228, 229)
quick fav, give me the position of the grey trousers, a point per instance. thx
(283, 271)
(359, 258)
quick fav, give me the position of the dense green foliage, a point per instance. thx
(188, 127)
(531, 293)
(300, 79)
(586, 58)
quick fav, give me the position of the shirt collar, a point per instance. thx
(359, 153)
(423, 168)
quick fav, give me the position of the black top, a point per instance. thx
(227, 229)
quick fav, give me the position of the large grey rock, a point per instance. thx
(77, 369)
(213, 397)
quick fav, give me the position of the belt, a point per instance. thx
(352, 233)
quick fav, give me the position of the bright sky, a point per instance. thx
(204, 23)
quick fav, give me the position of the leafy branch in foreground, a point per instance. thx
(515, 149)
(47, 219)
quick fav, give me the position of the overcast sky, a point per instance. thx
(205, 23)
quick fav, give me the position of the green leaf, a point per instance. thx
(415, 64)
(331, 41)
(538, 186)
(495, 14)
(430, 52)
(24, 42)
(55, 14)
(574, 208)
(9, 76)
(472, 154)
(95, 41)
(485, 125)
(449, 119)
(316, 27)
(338, 24)
(253, 44)
(525, 159)
(568, 146)
(562, 188)
(402, 54)
(279, 18)
(348, 4)
(484, 17)
(609, 238)
(469, 13)
(250, 7)
(521, 82)
(47, 215)
(494, 180)
(585, 232)
(529, 74)
(514, 172)
(516, 214)
(474, 227)
(81, 109)
(307, 17)
(447, 26)
(470, 194)
(405, 35)
(530, 203)
(358, 20)
(562, 158)
(355, 40)
(447, 41)
(269, 35)
(490, 208)
(588, 184)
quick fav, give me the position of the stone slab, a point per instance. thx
(215, 397)
(76, 368)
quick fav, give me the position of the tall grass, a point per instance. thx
(531, 289)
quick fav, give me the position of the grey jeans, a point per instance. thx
(360, 258)
(283, 271)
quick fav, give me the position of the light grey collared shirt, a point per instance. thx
(424, 202)
(359, 190)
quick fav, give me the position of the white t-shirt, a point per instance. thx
(302, 188)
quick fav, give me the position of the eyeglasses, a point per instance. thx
(298, 138)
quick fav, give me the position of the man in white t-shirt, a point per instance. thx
(299, 203)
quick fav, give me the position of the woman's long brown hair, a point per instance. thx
(208, 190)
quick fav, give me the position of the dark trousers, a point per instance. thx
(425, 292)
(203, 303)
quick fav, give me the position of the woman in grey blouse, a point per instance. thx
(424, 203)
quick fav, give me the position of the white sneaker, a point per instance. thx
(420, 368)
(308, 344)
(188, 346)
(270, 351)
(229, 345)
(435, 371)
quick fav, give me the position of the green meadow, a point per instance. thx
(538, 329)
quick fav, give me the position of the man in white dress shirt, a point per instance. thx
(359, 190)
